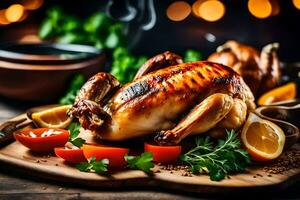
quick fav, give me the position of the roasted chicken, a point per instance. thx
(167, 97)
(260, 70)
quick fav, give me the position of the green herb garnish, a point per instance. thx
(76, 83)
(74, 129)
(192, 56)
(125, 65)
(142, 162)
(99, 167)
(97, 30)
(227, 157)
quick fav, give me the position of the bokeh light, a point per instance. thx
(14, 12)
(296, 3)
(178, 11)
(275, 7)
(195, 7)
(260, 8)
(211, 10)
(32, 4)
(30, 38)
(3, 20)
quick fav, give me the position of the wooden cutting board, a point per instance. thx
(55, 168)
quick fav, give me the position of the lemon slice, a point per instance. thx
(263, 139)
(53, 118)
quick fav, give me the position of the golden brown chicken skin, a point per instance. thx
(175, 102)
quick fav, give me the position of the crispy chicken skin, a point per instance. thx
(175, 102)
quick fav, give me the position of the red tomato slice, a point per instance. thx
(163, 154)
(115, 155)
(35, 141)
(70, 155)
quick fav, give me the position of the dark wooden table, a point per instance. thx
(18, 184)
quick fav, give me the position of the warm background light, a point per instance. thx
(260, 8)
(195, 7)
(178, 11)
(14, 12)
(275, 7)
(296, 3)
(211, 10)
(30, 38)
(32, 4)
(3, 20)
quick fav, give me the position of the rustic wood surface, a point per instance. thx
(17, 183)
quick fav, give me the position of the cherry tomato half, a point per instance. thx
(41, 139)
(70, 155)
(115, 155)
(163, 154)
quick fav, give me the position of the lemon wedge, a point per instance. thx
(53, 118)
(263, 139)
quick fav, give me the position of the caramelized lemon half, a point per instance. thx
(263, 139)
(53, 118)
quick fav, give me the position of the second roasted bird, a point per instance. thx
(168, 98)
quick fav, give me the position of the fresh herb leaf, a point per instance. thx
(78, 142)
(192, 56)
(100, 167)
(125, 65)
(84, 166)
(93, 165)
(74, 129)
(74, 87)
(45, 29)
(142, 162)
(227, 157)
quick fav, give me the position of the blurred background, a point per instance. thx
(156, 26)
(127, 32)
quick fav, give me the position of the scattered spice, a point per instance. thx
(44, 188)
(37, 161)
(183, 169)
(289, 160)
(43, 160)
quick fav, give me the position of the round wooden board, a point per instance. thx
(53, 167)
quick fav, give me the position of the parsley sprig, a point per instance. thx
(99, 167)
(227, 157)
(142, 162)
(74, 129)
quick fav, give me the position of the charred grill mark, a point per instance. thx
(170, 86)
(159, 79)
(200, 74)
(135, 90)
(185, 85)
(185, 82)
(193, 81)
(223, 80)
(217, 72)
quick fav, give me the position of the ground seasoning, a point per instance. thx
(290, 160)
(183, 169)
